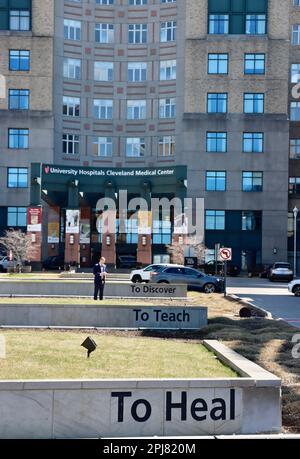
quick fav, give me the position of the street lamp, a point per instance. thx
(295, 212)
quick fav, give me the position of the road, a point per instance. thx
(274, 297)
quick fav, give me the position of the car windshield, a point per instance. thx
(283, 265)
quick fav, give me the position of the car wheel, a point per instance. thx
(1, 269)
(136, 279)
(296, 290)
(271, 279)
(163, 282)
(209, 288)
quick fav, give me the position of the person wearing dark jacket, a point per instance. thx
(100, 277)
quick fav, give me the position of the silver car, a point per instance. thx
(194, 279)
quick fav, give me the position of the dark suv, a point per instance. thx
(210, 268)
(55, 262)
(126, 261)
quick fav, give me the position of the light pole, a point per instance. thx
(295, 212)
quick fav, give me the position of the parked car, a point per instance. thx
(126, 261)
(4, 263)
(144, 275)
(194, 279)
(281, 271)
(265, 271)
(55, 262)
(210, 268)
(294, 287)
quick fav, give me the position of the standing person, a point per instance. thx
(100, 277)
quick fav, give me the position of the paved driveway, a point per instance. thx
(272, 296)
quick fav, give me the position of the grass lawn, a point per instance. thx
(57, 354)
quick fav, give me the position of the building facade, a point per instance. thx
(188, 98)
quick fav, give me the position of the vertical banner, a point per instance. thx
(181, 224)
(34, 219)
(85, 232)
(145, 222)
(72, 221)
(53, 233)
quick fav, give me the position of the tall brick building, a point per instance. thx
(192, 97)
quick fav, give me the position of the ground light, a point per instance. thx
(90, 345)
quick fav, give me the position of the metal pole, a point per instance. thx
(225, 277)
(295, 244)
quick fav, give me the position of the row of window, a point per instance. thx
(105, 33)
(216, 142)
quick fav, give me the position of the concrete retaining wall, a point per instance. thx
(103, 316)
(86, 289)
(116, 408)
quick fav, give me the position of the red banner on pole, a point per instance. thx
(34, 219)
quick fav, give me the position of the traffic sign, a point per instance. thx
(225, 254)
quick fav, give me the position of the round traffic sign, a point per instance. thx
(226, 254)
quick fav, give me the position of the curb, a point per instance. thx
(256, 311)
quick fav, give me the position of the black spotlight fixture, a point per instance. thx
(90, 345)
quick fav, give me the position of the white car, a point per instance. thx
(144, 275)
(294, 287)
(281, 271)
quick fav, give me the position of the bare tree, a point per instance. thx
(19, 244)
(191, 246)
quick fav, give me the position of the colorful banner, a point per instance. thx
(144, 222)
(72, 221)
(85, 232)
(53, 233)
(34, 219)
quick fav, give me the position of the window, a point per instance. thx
(254, 103)
(135, 147)
(103, 109)
(102, 2)
(256, 24)
(167, 31)
(253, 142)
(295, 111)
(137, 71)
(18, 138)
(215, 181)
(161, 232)
(218, 64)
(294, 185)
(254, 64)
(137, 2)
(16, 216)
(167, 108)
(295, 73)
(218, 23)
(252, 181)
(251, 221)
(216, 142)
(168, 70)
(19, 60)
(17, 177)
(166, 146)
(71, 106)
(102, 146)
(295, 148)
(72, 30)
(137, 33)
(19, 20)
(104, 33)
(103, 71)
(136, 109)
(217, 103)
(215, 220)
(72, 68)
(70, 144)
(296, 34)
(18, 99)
